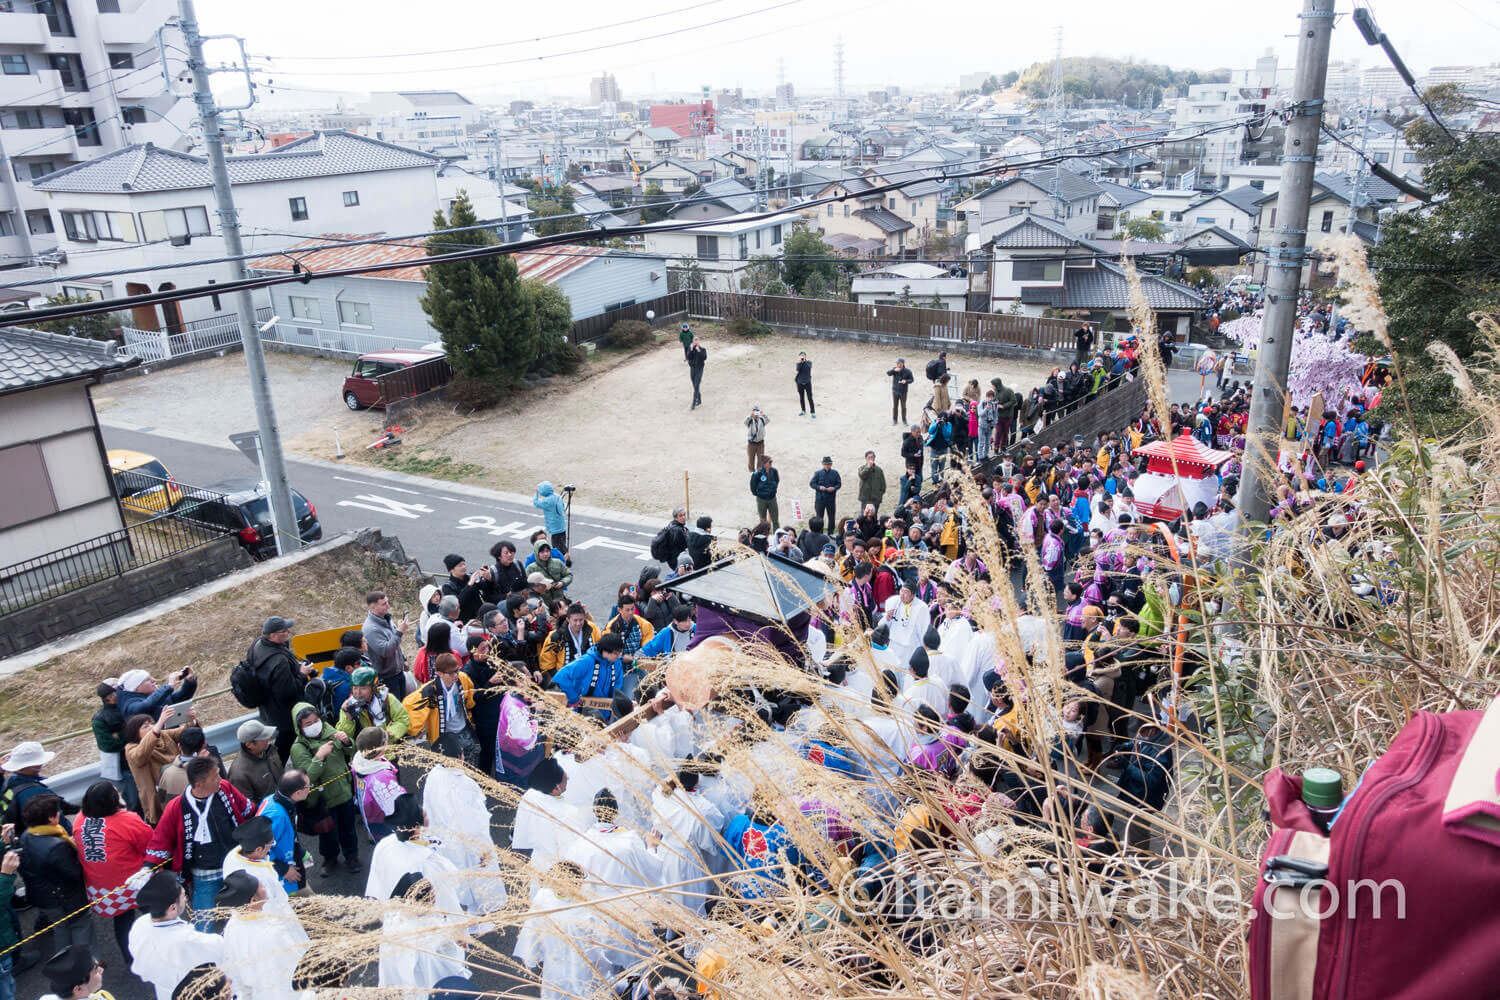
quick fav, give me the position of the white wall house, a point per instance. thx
(76, 80)
(723, 249)
(1236, 209)
(156, 206)
(383, 309)
(918, 280)
(1059, 195)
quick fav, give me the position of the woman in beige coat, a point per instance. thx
(148, 749)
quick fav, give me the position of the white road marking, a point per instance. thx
(385, 505)
(600, 542)
(483, 522)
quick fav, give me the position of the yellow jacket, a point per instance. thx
(422, 706)
(554, 652)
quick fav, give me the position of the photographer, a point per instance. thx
(467, 587)
(507, 576)
(755, 437)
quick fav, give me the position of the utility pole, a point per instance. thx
(273, 463)
(500, 185)
(1286, 256)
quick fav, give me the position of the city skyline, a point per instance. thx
(670, 50)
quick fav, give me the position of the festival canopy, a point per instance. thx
(768, 589)
(1179, 473)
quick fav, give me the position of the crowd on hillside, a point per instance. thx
(172, 831)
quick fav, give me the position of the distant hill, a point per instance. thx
(1098, 78)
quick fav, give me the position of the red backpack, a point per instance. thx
(1420, 834)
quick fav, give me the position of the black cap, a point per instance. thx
(238, 889)
(451, 560)
(254, 832)
(158, 894)
(931, 639)
(69, 969)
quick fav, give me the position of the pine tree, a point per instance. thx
(936, 302)
(488, 326)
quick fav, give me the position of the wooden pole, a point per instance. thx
(687, 496)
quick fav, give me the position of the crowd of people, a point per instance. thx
(902, 649)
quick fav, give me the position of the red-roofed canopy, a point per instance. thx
(1192, 459)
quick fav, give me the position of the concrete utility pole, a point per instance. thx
(500, 186)
(273, 463)
(1287, 254)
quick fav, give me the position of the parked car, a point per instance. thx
(360, 386)
(142, 483)
(246, 511)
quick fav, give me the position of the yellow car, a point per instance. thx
(142, 483)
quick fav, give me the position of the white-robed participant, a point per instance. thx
(253, 856)
(956, 632)
(906, 621)
(545, 822)
(688, 824)
(417, 948)
(613, 858)
(262, 946)
(575, 947)
(460, 827)
(404, 851)
(164, 946)
(978, 659)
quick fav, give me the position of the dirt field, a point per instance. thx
(622, 429)
(210, 635)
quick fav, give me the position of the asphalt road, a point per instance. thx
(431, 518)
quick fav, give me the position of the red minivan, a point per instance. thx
(361, 389)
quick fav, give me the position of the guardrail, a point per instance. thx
(70, 785)
(349, 343)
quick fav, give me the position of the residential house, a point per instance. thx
(1168, 206)
(57, 500)
(384, 308)
(1236, 209)
(1038, 265)
(486, 199)
(672, 175)
(1049, 192)
(723, 249)
(718, 199)
(1116, 206)
(863, 212)
(1211, 246)
(617, 189)
(76, 80)
(917, 200)
(653, 143)
(156, 206)
(913, 280)
(1331, 212)
(602, 215)
(1023, 145)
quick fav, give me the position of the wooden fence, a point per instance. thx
(935, 326)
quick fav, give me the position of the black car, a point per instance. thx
(246, 510)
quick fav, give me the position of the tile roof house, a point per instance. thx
(1051, 193)
(716, 200)
(57, 502)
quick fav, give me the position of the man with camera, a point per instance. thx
(755, 436)
(467, 587)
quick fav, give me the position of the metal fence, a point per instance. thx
(667, 309)
(199, 336)
(404, 383)
(349, 343)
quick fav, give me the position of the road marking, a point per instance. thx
(385, 505)
(483, 522)
(380, 486)
(600, 542)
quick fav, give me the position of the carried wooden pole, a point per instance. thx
(687, 496)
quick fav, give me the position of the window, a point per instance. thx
(619, 305)
(744, 246)
(1204, 220)
(39, 222)
(1035, 270)
(174, 222)
(1176, 217)
(83, 292)
(708, 248)
(218, 306)
(87, 227)
(775, 235)
(304, 307)
(58, 21)
(25, 489)
(79, 226)
(1382, 157)
(1408, 157)
(351, 198)
(70, 68)
(85, 128)
(27, 118)
(1017, 210)
(1156, 214)
(134, 115)
(7, 224)
(40, 168)
(109, 6)
(355, 314)
(14, 64)
(846, 210)
(121, 60)
(1327, 224)
(891, 203)
(299, 209)
(1258, 185)
(757, 239)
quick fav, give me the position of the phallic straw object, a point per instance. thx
(690, 675)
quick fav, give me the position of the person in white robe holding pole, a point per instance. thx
(262, 946)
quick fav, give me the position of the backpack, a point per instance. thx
(934, 370)
(246, 685)
(324, 697)
(1418, 835)
(661, 545)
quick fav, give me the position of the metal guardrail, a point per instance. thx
(350, 343)
(71, 785)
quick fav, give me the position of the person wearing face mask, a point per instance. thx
(370, 704)
(323, 753)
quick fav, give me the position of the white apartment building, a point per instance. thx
(155, 206)
(423, 119)
(77, 80)
(723, 250)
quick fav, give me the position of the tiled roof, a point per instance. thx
(1341, 186)
(1245, 198)
(151, 168)
(884, 219)
(548, 264)
(1043, 295)
(1103, 286)
(847, 243)
(1062, 183)
(1033, 232)
(1122, 196)
(31, 358)
(1235, 241)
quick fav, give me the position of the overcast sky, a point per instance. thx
(885, 41)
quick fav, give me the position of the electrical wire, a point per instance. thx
(924, 173)
(556, 55)
(476, 253)
(499, 45)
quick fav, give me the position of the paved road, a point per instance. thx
(432, 518)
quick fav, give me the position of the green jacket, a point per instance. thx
(397, 719)
(1007, 399)
(555, 569)
(10, 929)
(304, 757)
(685, 337)
(871, 485)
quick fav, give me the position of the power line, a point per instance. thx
(500, 45)
(556, 55)
(924, 173)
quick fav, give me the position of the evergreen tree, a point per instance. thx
(905, 299)
(488, 325)
(936, 302)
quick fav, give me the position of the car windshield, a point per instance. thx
(152, 468)
(259, 508)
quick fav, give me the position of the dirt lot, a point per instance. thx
(622, 429)
(210, 635)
